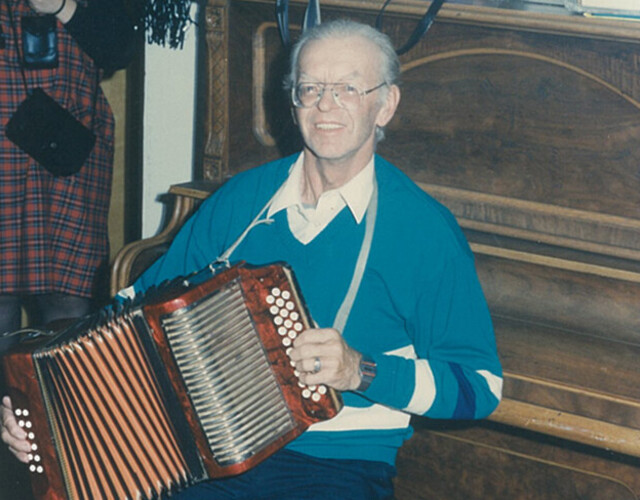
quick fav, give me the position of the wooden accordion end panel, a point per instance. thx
(192, 383)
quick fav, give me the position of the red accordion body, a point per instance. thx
(192, 382)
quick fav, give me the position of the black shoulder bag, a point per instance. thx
(46, 131)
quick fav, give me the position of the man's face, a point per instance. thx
(342, 134)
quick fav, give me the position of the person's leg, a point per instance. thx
(51, 307)
(10, 320)
(292, 476)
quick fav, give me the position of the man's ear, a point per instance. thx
(389, 106)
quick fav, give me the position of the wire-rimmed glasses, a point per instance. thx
(345, 95)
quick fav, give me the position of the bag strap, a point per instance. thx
(421, 27)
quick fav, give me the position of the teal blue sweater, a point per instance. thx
(420, 311)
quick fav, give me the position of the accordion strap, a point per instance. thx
(363, 256)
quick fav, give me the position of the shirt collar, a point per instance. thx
(356, 193)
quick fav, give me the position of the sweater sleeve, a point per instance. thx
(454, 372)
(105, 32)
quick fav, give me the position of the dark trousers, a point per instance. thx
(43, 309)
(288, 475)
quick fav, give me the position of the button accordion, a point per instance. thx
(192, 381)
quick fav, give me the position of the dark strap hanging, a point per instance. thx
(421, 28)
(312, 17)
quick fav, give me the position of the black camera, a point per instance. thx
(39, 42)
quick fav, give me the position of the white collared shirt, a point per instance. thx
(305, 221)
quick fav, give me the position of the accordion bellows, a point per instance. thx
(191, 382)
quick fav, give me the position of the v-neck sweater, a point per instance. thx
(419, 313)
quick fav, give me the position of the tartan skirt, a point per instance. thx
(53, 230)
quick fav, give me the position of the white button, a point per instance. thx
(270, 299)
(315, 397)
(306, 393)
(274, 310)
(285, 294)
(275, 292)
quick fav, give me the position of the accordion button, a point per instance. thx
(39, 469)
(270, 299)
(315, 397)
(284, 313)
(322, 389)
(274, 310)
(278, 320)
(306, 393)
(279, 302)
(297, 327)
(275, 292)
(32, 468)
(288, 323)
(18, 412)
(294, 316)
(282, 331)
(292, 335)
(286, 341)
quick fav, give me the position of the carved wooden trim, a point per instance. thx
(259, 67)
(568, 426)
(552, 224)
(481, 51)
(557, 263)
(560, 21)
(216, 100)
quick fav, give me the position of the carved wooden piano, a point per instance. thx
(526, 124)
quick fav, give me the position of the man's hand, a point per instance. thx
(12, 434)
(323, 357)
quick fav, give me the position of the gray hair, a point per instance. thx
(345, 28)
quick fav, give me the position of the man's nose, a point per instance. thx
(327, 100)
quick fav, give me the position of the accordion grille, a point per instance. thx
(113, 436)
(225, 367)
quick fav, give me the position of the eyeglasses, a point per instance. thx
(345, 95)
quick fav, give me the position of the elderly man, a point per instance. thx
(403, 327)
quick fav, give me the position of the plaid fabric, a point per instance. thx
(53, 231)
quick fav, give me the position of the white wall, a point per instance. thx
(169, 100)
